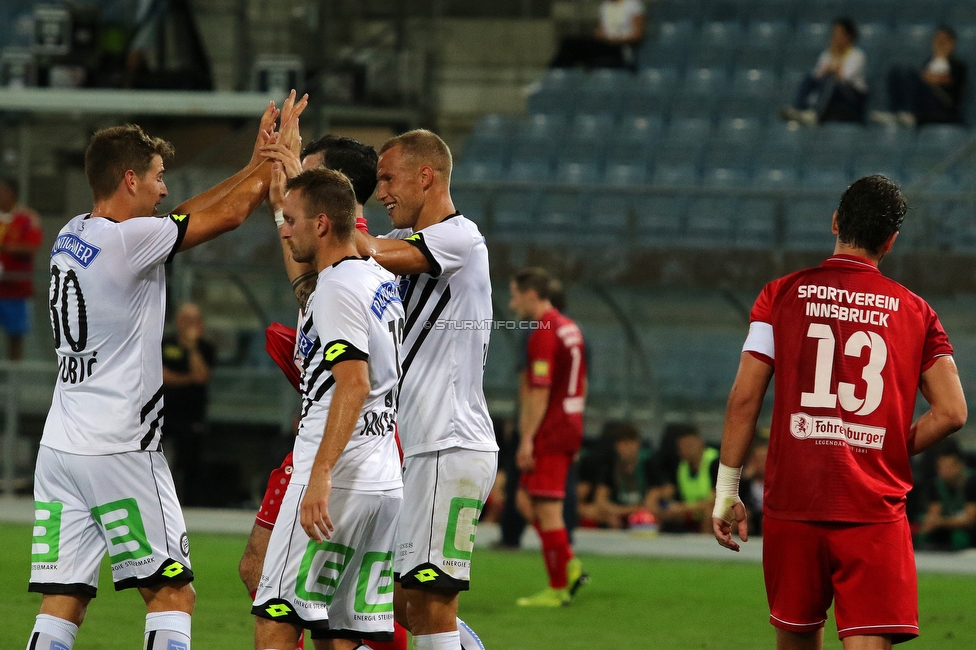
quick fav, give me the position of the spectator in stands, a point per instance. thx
(932, 94)
(751, 483)
(622, 483)
(20, 237)
(187, 360)
(837, 88)
(684, 501)
(614, 43)
(950, 522)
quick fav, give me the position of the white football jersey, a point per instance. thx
(107, 303)
(354, 313)
(445, 342)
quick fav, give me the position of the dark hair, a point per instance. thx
(11, 183)
(948, 31)
(947, 448)
(426, 148)
(326, 191)
(117, 149)
(535, 278)
(848, 26)
(871, 210)
(626, 431)
(351, 157)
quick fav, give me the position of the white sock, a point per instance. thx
(167, 631)
(469, 640)
(52, 633)
(442, 641)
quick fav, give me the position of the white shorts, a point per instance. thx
(343, 587)
(443, 494)
(121, 504)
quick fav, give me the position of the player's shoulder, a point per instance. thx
(456, 225)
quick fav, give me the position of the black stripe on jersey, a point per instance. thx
(148, 438)
(33, 642)
(181, 221)
(147, 409)
(319, 394)
(417, 240)
(411, 281)
(341, 350)
(311, 353)
(428, 325)
(414, 314)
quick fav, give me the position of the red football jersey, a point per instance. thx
(557, 362)
(848, 347)
(21, 228)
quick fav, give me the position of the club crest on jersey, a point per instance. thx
(385, 295)
(304, 344)
(73, 245)
(801, 426)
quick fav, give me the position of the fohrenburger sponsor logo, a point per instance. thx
(803, 427)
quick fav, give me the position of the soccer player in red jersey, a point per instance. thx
(552, 391)
(850, 349)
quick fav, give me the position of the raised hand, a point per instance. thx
(266, 127)
(290, 112)
(289, 159)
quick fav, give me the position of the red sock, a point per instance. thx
(556, 552)
(399, 641)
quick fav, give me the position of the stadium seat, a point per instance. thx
(660, 219)
(493, 127)
(551, 101)
(639, 105)
(742, 131)
(709, 222)
(609, 216)
(560, 216)
(755, 83)
(514, 211)
(934, 11)
(755, 224)
(542, 127)
(689, 132)
(767, 35)
(471, 203)
(888, 164)
(941, 138)
(873, 38)
(573, 172)
(478, 171)
(914, 42)
(591, 128)
(869, 11)
(678, 10)
(531, 161)
(707, 83)
(698, 107)
(726, 167)
(644, 130)
(808, 224)
(814, 35)
(819, 11)
(768, 177)
(653, 81)
(783, 135)
(771, 11)
(722, 11)
(887, 140)
(487, 151)
(831, 179)
(625, 174)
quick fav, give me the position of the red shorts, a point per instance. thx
(868, 570)
(277, 484)
(548, 479)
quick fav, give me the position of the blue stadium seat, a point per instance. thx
(493, 127)
(660, 219)
(678, 10)
(808, 224)
(471, 203)
(840, 135)
(514, 211)
(772, 10)
(689, 131)
(783, 135)
(941, 138)
(889, 164)
(676, 168)
(542, 127)
(812, 34)
(604, 80)
(832, 179)
(755, 224)
(934, 11)
(630, 152)
(767, 34)
(698, 107)
(966, 43)
(639, 129)
(894, 141)
(635, 105)
(723, 11)
(770, 177)
(560, 215)
(653, 81)
(870, 11)
(789, 81)
(914, 42)
(489, 151)
(562, 79)
(551, 101)
(873, 37)
(573, 172)
(675, 33)
(609, 215)
(759, 83)
(813, 11)
(591, 128)
(748, 108)
(709, 222)
(707, 83)
(529, 171)
(625, 174)
(477, 171)
(742, 131)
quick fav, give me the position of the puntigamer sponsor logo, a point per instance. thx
(387, 293)
(805, 426)
(77, 248)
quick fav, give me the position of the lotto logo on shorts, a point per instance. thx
(173, 570)
(426, 575)
(278, 610)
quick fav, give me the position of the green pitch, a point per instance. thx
(630, 603)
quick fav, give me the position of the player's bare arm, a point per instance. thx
(351, 390)
(286, 164)
(741, 415)
(395, 255)
(535, 400)
(947, 412)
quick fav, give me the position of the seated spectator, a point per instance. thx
(837, 88)
(613, 44)
(950, 522)
(932, 94)
(684, 501)
(622, 485)
(751, 483)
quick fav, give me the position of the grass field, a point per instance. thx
(630, 603)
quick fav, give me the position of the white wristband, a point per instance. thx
(726, 492)
(279, 216)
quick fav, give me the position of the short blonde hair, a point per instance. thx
(424, 147)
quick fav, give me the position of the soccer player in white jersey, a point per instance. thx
(101, 482)
(329, 564)
(450, 454)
